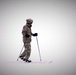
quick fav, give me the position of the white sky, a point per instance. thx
(54, 21)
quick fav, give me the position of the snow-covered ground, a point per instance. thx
(34, 68)
(54, 21)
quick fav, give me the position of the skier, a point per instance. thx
(26, 32)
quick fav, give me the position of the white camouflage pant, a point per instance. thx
(26, 53)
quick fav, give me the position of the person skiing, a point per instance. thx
(27, 33)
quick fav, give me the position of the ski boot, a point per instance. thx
(26, 60)
(21, 57)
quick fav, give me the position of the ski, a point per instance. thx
(41, 62)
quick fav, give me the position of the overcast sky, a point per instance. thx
(55, 23)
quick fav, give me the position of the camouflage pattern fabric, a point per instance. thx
(26, 30)
(26, 40)
(27, 51)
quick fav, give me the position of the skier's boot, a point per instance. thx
(21, 57)
(26, 60)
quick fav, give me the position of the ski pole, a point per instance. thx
(38, 48)
(20, 53)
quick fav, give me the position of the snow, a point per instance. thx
(54, 21)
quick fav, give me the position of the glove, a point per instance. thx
(27, 35)
(36, 34)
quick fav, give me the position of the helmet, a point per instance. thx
(29, 20)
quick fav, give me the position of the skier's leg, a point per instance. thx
(28, 50)
(24, 53)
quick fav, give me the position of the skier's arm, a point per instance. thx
(31, 33)
(35, 34)
(24, 30)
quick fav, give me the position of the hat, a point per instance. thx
(29, 20)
